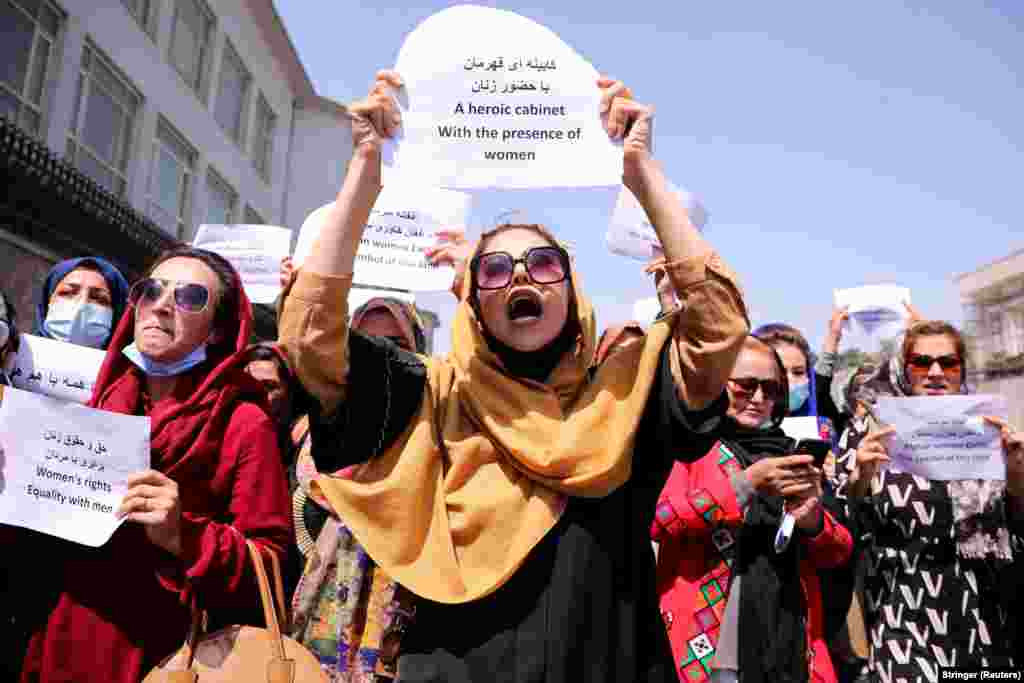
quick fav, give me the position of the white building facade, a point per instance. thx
(191, 111)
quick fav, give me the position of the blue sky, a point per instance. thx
(834, 144)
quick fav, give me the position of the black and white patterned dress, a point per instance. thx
(926, 605)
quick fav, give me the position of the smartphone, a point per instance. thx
(818, 448)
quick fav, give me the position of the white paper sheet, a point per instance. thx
(404, 222)
(255, 251)
(65, 466)
(631, 234)
(54, 368)
(645, 311)
(945, 437)
(875, 310)
(801, 427)
(492, 99)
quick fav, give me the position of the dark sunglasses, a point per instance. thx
(920, 365)
(189, 297)
(771, 389)
(544, 266)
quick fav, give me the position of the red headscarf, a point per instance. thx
(193, 421)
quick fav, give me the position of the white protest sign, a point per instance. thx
(55, 368)
(876, 310)
(404, 222)
(255, 251)
(630, 232)
(492, 100)
(65, 466)
(645, 311)
(801, 427)
(945, 437)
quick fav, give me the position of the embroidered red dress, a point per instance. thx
(696, 525)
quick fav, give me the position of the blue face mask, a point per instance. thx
(155, 368)
(798, 394)
(79, 324)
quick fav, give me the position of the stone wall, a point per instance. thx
(21, 277)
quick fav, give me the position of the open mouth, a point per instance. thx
(525, 306)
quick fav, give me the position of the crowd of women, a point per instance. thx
(537, 505)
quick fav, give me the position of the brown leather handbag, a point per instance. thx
(243, 653)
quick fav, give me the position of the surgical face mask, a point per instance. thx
(80, 324)
(155, 368)
(798, 394)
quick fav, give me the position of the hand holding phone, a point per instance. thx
(816, 448)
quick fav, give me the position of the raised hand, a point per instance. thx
(1013, 453)
(375, 117)
(627, 120)
(455, 250)
(835, 329)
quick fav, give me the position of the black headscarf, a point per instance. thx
(773, 611)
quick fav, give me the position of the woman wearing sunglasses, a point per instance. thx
(736, 605)
(216, 480)
(944, 557)
(498, 485)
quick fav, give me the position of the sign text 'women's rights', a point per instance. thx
(478, 112)
(65, 467)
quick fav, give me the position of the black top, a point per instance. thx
(584, 604)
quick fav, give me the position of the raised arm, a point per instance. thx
(713, 323)
(314, 316)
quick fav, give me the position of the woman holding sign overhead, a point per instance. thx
(499, 487)
(216, 480)
(945, 558)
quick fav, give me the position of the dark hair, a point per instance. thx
(224, 315)
(263, 352)
(774, 334)
(933, 328)
(10, 316)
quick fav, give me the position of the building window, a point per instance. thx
(252, 217)
(143, 12)
(221, 200)
(28, 35)
(191, 35)
(170, 182)
(99, 142)
(263, 137)
(233, 95)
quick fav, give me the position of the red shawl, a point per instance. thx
(122, 608)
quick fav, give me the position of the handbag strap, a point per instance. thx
(273, 618)
(267, 600)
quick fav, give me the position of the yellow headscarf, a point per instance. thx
(483, 471)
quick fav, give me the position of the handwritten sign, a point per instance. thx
(54, 368)
(65, 466)
(255, 251)
(492, 99)
(404, 222)
(630, 232)
(876, 310)
(945, 437)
